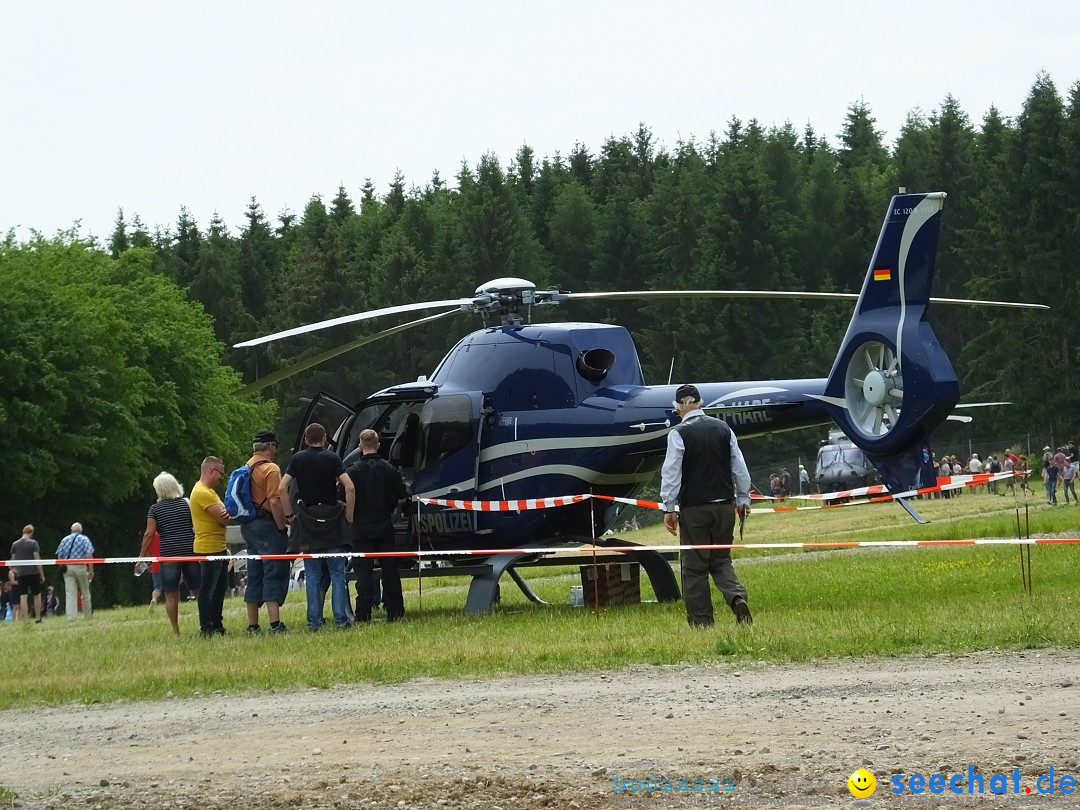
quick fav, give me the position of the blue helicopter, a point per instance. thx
(526, 410)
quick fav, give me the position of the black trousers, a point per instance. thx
(215, 576)
(392, 598)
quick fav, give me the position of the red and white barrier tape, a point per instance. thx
(944, 483)
(506, 506)
(576, 550)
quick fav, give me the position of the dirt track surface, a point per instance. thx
(788, 735)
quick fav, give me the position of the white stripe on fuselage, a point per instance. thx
(515, 448)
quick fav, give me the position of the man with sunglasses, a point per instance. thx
(705, 474)
(209, 519)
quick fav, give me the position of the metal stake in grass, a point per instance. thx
(419, 564)
(595, 568)
(1025, 565)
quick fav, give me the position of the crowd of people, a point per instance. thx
(328, 505)
(26, 593)
(320, 504)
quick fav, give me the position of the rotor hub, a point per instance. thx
(875, 388)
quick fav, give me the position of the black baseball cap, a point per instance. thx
(265, 437)
(685, 391)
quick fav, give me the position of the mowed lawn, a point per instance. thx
(807, 606)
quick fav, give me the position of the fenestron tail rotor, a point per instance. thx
(874, 388)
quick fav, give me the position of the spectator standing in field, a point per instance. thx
(993, 466)
(705, 474)
(1008, 465)
(1068, 479)
(322, 522)
(7, 603)
(77, 576)
(49, 602)
(975, 467)
(804, 481)
(380, 494)
(209, 519)
(1051, 473)
(944, 471)
(29, 578)
(170, 520)
(267, 580)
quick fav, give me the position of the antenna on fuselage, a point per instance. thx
(671, 371)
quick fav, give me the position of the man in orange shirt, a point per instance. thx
(267, 580)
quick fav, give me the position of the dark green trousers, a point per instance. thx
(708, 524)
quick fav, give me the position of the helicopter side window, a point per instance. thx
(446, 427)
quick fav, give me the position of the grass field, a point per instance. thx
(807, 606)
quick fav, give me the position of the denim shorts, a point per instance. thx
(170, 575)
(267, 580)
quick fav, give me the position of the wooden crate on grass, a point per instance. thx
(611, 584)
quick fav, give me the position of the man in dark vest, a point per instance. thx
(380, 494)
(705, 474)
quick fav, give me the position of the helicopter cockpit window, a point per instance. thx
(828, 457)
(445, 428)
(855, 457)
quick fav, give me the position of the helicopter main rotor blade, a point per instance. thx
(329, 354)
(463, 304)
(820, 296)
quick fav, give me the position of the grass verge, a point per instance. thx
(850, 603)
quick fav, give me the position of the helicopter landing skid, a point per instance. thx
(484, 590)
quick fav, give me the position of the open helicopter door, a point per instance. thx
(334, 414)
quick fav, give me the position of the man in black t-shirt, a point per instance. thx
(380, 494)
(323, 522)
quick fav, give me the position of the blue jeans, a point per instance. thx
(267, 580)
(339, 590)
(1051, 491)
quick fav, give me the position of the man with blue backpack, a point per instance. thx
(253, 501)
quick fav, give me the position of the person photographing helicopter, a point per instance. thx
(705, 474)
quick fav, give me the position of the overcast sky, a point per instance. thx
(153, 106)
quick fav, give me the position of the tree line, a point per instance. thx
(751, 207)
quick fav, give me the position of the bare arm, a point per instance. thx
(148, 537)
(218, 513)
(40, 568)
(284, 501)
(350, 495)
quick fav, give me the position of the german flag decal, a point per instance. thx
(884, 274)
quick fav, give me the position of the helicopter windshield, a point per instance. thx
(446, 427)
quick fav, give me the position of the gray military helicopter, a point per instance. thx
(841, 465)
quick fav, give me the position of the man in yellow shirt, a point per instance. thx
(209, 518)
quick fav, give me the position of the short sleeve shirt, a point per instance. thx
(173, 519)
(209, 534)
(265, 480)
(24, 549)
(316, 471)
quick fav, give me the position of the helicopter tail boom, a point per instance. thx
(892, 383)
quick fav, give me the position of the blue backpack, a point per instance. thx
(238, 501)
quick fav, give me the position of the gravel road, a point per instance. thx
(787, 735)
